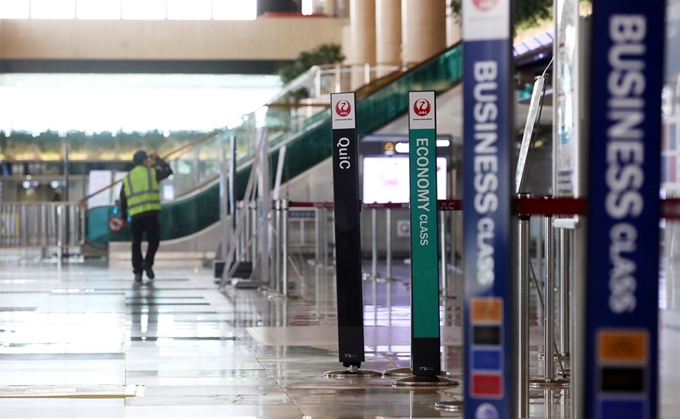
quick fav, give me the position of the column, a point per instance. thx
(387, 35)
(341, 8)
(423, 29)
(362, 27)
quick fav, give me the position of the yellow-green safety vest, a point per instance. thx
(141, 190)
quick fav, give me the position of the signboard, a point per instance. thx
(99, 179)
(116, 224)
(623, 256)
(386, 179)
(115, 194)
(567, 96)
(425, 339)
(488, 185)
(347, 229)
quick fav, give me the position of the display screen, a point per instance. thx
(386, 179)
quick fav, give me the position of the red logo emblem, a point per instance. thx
(422, 107)
(116, 224)
(343, 108)
(485, 5)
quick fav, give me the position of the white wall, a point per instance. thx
(261, 39)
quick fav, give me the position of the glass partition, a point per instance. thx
(307, 141)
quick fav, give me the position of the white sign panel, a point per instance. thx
(343, 109)
(386, 179)
(485, 20)
(98, 180)
(119, 176)
(422, 110)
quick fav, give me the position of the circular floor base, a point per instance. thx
(415, 381)
(543, 384)
(352, 374)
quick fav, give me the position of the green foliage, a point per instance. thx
(528, 13)
(323, 54)
(102, 145)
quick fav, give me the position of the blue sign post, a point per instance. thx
(623, 212)
(487, 218)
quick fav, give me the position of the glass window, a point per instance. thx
(53, 9)
(234, 9)
(190, 10)
(98, 9)
(144, 9)
(15, 9)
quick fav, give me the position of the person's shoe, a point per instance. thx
(150, 273)
(138, 278)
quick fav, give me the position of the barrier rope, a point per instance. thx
(541, 206)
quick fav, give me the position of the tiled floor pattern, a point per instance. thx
(186, 349)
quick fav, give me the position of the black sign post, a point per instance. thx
(348, 238)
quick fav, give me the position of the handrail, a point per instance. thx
(198, 141)
(362, 92)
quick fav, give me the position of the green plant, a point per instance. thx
(323, 54)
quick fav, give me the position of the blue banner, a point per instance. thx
(622, 283)
(488, 125)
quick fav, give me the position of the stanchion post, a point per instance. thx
(425, 319)
(374, 244)
(253, 232)
(549, 299)
(388, 244)
(277, 244)
(442, 251)
(317, 235)
(565, 273)
(349, 284)
(522, 316)
(325, 237)
(245, 206)
(284, 239)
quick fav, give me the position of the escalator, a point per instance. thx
(307, 144)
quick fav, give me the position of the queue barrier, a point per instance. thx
(41, 225)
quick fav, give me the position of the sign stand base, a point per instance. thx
(428, 381)
(352, 372)
(399, 372)
(450, 406)
(543, 384)
(404, 372)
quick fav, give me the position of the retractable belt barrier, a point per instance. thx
(552, 207)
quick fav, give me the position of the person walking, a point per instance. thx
(140, 199)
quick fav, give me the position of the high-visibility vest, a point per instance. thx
(141, 191)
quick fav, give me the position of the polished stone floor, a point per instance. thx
(85, 342)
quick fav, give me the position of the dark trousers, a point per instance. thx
(139, 225)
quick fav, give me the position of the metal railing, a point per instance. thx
(40, 225)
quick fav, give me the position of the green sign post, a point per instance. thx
(425, 341)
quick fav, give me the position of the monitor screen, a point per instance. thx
(386, 179)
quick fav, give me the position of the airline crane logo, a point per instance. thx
(422, 107)
(343, 108)
(485, 5)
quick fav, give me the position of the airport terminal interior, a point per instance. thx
(345, 208)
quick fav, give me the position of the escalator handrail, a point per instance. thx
(200, 140)
(363, 92)
(369, 90)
